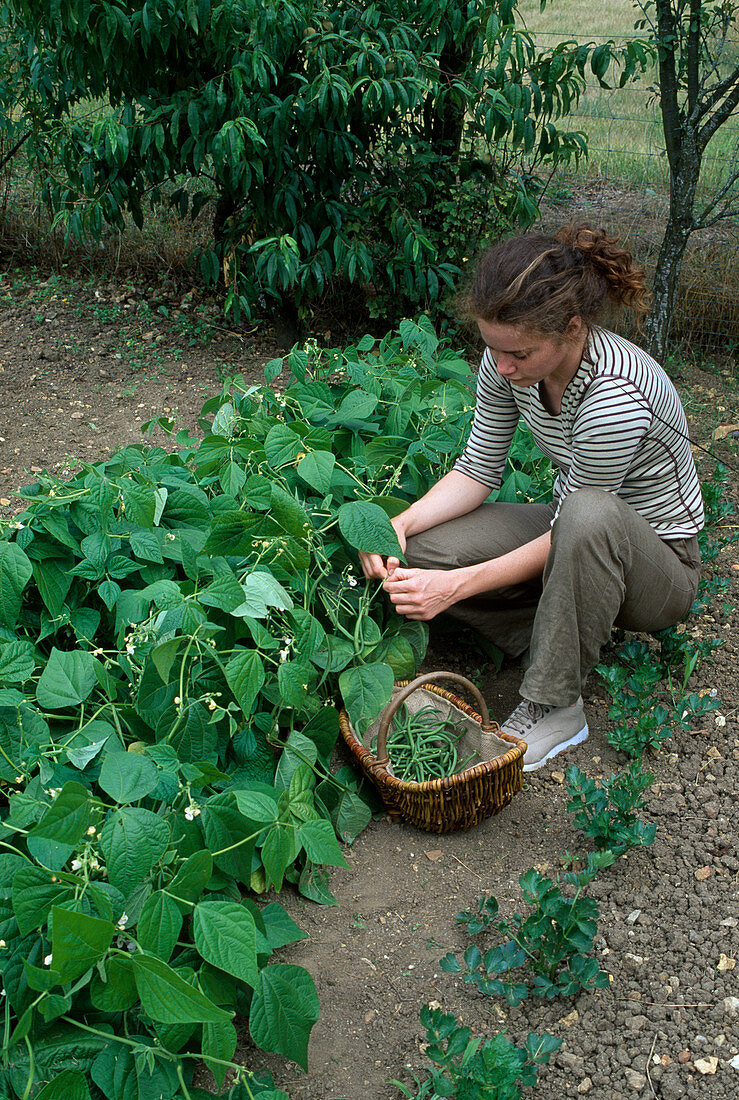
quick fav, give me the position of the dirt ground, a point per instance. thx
(81, 368)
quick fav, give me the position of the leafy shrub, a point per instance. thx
(476, 1068)
(174, 628)
(552, 941)
(372, 143)
(606, 811)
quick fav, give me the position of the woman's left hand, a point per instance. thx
(421, 593)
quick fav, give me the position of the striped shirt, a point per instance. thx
(621, 428)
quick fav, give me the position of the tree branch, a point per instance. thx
(693, 53)
(714, 96)
(9, 156)
(668, 84)
(703, 220)
(722, 112)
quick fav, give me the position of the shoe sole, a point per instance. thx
(557, 749)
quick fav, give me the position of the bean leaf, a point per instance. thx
(366, 527)
(128, 776)
(169, 999)
(284, 1008)
(132, 840)
(225, 936)
(78, 941)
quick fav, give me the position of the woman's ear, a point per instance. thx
(574, 327)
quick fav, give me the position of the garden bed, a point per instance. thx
(668, 934)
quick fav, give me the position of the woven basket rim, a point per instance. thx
(485, 767)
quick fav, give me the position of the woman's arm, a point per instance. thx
(455, 495)
(425, 593)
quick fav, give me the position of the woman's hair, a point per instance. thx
(539, 282)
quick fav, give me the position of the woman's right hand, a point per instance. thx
(374, 566)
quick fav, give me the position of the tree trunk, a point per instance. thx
(680, 225)
(444, 124)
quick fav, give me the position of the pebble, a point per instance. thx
(734, 1063)
(570, 1019)
(586, 1084)
(683, 1057)
(731, 1006)
(633, 916)
(706, 1065)
(571, 1061)
(635, 1080)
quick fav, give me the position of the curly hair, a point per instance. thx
(539, 282)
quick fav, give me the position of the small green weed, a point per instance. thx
(553, 941)
(707, 589)
(642, 723)
(607, 811)
(680, 652)
(473, 1068)
(718, 505)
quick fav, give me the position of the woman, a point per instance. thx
(617, 545)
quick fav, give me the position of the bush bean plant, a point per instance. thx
(175, 632)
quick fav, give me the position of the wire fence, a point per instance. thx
(624, 187)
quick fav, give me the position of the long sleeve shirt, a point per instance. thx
(621, 428)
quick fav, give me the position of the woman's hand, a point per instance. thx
(373, 565)
(421, 593)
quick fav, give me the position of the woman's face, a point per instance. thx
(525, 358)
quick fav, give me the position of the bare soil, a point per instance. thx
(81, 368)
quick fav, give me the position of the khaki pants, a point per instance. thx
(606, 567)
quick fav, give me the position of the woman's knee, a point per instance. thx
(588, 510)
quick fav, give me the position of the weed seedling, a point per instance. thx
(641, 723)
(607, 811)
(465, 1066)
(553, 941)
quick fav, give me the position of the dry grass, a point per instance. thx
(707, 308)
(623, 125)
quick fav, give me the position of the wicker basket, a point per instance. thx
(456, 801)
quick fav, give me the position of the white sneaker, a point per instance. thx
(546, 730)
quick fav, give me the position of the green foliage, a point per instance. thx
(465, 1066)
(166, 620)
(718, 505)
(528, 476)
(552, 941)
(374, 144)
(606, 811)
(680, 653)
(635, 684)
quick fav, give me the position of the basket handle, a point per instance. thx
(389, 712)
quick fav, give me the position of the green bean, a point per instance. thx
(423, 745)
